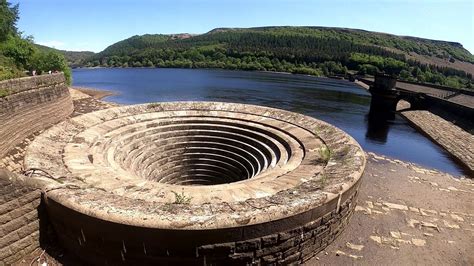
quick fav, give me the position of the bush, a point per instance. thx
(8, 69)
(368, 69)
(20, 50)
(44, 62)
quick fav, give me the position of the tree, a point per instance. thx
(307, 50)
(404, 74)
(50, 61)
(8, 19)
(19, 50)
(18, 53)
(368, 69)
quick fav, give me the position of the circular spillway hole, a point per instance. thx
(187, 151)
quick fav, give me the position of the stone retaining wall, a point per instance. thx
(293, 246)
(449, 106)
(133, 245)
(31, 104)
(19, 218)
(27, 105)
(452, 138)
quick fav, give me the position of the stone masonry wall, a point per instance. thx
(294, 246)
(454, 139)
(32, 104)
(291, 247)
(19, 221)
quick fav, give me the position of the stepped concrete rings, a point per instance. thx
(215, 172)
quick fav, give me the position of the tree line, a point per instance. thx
(291, 50)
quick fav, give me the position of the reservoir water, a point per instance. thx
(341, 103)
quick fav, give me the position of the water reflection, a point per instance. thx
(377, 128)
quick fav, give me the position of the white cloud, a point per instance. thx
(53, 43)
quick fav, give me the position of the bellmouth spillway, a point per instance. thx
(197, 181)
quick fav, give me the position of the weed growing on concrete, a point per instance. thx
(323, 180)
(153, 105)
(346, 150)
(325, 153)
(181, 198)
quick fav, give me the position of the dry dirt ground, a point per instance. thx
(406, 215)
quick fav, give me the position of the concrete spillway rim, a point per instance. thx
(341, 173)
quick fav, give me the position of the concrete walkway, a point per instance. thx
(461, 99)
(458, 98)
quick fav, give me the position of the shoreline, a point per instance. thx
(98, 94)
(261, 71)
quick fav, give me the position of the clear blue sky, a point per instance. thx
(95, 24)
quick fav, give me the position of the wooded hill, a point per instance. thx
(73, 58)
(307, 50)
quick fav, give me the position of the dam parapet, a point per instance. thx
(31, 104)
(27, 106)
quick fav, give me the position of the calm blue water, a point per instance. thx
(341, 103)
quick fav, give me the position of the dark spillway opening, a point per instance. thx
(202, 152)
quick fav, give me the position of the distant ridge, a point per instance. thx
(307, 50)
(411, 38)
(74, 58)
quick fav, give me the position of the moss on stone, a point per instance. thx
(4, 92)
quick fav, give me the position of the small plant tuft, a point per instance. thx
(181, 198)
(153, 105)
(325, 153)
(323, 180)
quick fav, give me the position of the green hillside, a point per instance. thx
(135, 43)
(19, 56)
(307, 50)
(73, 58)
(441, 49)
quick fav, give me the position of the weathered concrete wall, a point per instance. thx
(293, 246)
(19, 218)
(462, 111)
(32, 104)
